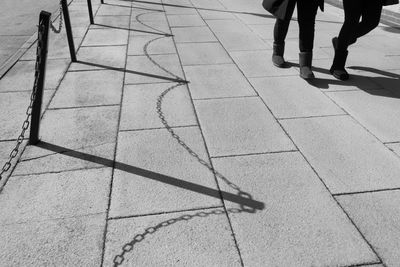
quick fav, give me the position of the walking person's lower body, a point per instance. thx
(369, 12)
(306, 13)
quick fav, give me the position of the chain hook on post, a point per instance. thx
(60, 17)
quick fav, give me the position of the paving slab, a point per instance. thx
(243, 41)
(378, 111)
(256, 19)
(154, 28)
(144, 16)
(376, 215)
(139, 107)
(395, 147)
(111, 22)
(193, 35)
(113, 10)
(106, 57)
(55, 195)
(185, 20)
(96, 37)
(140, 69)
(67, 242)
(233, 25)
(290, 97)
(89, 88)
(181, 8)
(301, 224)
(259, 64)
(84, 138)
(240, 126)
(344, 154)
(13, 112)
(213, 81)
(156, 174)
(215, 14)
(155, 45)
(202, 53)
(198, 241)
(22, 75)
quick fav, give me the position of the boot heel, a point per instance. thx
(305, 61)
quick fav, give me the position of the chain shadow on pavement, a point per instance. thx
(129, 246)
(386, 78)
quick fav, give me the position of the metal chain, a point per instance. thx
(60, 21)
(28, 112)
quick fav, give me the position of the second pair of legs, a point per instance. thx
(368, 11)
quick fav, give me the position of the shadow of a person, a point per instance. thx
(385, 83)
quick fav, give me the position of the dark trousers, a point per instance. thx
(306, 12)
(370, 13)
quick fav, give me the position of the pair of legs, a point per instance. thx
(369, 11)
(306, 12)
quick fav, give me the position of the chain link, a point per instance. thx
(28, 112)
(60, 21)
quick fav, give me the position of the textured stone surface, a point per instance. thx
(105, 37)
(156, 174)
(258, 64)
(106, 57)
(198, 241)
(210, 81)
(89, 88)
(378, 111)
(83, 138)
(292, 97)
(55, 195)
(22, 76)
(345, 156)
(300, 225)
(377, 216)
(202, 53)
(140, 103)
(193, 35)
(395, 147)
(235, 41)
(75, 241)
(155, 45)
(240, 126)
(14, 105)
(185, 20)
(140, 69)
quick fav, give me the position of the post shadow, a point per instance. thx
(133, 72)
(243, 200)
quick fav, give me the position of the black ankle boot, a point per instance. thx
(305, 61)
(337, 69)
(277, 55)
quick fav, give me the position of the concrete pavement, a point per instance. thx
(174, 141)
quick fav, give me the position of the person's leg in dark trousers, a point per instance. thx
(352, 28)
(306, 13)
(280, 31)
(370, 17)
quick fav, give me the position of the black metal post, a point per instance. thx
(102, 1)
(40, 74)
(68, 30)
(89, 4)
